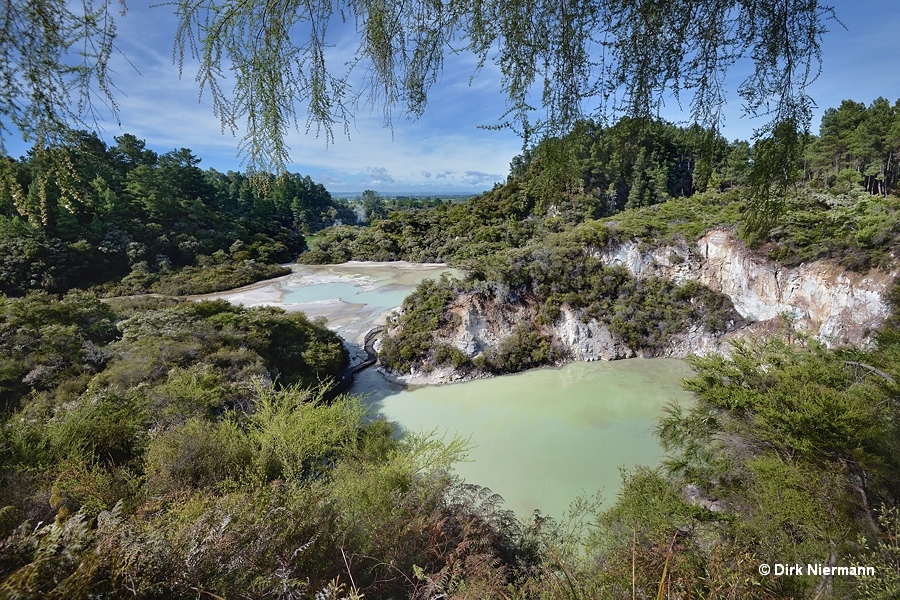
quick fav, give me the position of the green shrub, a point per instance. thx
(101, 427)
(206, 280)
(91, 488)
(882, 555)
(197, 454)
(196, 391)
(423, 313)
(294, 435)
(47, 341)
(444, 354)
(523, 349)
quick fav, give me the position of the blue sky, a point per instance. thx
(443, 151)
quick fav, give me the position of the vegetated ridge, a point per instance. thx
(730, 292)
(126, 220)
(596, 244)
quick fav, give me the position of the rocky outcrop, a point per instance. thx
(484, 321)
(588, 340)
(692, 494)
(829, 302)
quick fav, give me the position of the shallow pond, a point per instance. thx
(353, 297)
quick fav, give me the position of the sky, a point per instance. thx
(444, 151)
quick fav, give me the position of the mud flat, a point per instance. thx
(353, 297)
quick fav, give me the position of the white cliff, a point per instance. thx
(831, 303)
(589, 340)
(826, 301)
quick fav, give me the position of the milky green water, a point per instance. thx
(381, 298)
(542, 438)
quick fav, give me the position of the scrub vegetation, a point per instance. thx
(644, 313)
(156, 448)
(164, 459)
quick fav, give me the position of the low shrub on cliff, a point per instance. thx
(858, 230)
(423, 314)
(644, 314)
(678, 218)
(523, 349)
(445, 354)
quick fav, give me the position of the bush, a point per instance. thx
(444, 354)
(102, 427)
(206, 280)
(523, 349)
(295, 435)
(197, 454)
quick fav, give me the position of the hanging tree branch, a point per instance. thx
(269, 65)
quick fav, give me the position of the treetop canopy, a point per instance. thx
(267, 63)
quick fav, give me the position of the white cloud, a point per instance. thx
(379, 175)
(444, 149)
(478, 178)
(327, 180)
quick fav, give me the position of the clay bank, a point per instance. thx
(820, 299)
(837, 306)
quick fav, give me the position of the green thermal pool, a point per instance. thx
(540, 438)
(544, 437)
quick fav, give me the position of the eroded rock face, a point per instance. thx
(833, 304)
(589, 340)
(484, 322)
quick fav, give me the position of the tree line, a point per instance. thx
(637, 163)
(85, 214)
(857, 145)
